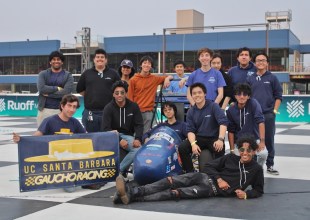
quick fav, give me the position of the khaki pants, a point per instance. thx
(46, 112)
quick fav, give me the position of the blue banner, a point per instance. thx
(59, 161)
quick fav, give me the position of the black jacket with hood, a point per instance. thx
(238, 175)
(126, 120)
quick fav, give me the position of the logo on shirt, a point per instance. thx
(207, 116)
(267, 82)
(211, 79)
(109, 78)
(130, 114)
(250, 73)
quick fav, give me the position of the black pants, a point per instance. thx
(205, 143)
(92, 120)
(189, 186)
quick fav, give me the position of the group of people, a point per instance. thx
(124, 102)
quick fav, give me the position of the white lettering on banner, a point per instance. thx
(29, 105)
(295, 108)
(159, 135)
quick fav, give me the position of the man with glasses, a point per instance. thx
(227, 176)
(124, 116)
(246, 117)
(266, 89)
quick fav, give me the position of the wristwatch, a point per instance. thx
(221, 139)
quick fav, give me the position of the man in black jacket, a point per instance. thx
(227, 176)
(95, 85)
(124, 116)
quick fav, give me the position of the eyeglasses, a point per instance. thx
(260, 61)
(248, 150)
(242, 94)
(119, 92)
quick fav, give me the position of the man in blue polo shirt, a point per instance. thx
(210, 77)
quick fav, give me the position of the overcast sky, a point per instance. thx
(60, 19)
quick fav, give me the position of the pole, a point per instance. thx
(164, 51)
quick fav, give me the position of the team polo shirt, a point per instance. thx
(212, 80)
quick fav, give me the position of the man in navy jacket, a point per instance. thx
(206, 128)
(267, 90)
(246, 117)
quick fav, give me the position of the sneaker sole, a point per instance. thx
(276, 174)
(121, 189)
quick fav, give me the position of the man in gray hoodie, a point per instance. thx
(52, 85)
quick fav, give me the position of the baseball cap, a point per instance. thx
(127, 63)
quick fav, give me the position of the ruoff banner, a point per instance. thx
(58, 161)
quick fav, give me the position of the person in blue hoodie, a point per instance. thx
(246, 117)
(206, 128)
(170, 111)
(266, 89)
(244, 68)
(124, 116)
(228, 176)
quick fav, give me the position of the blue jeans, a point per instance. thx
(125, 164)
(270, 130)
(147, 120)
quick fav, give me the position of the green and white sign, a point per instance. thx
(293, 108)
(26, 106)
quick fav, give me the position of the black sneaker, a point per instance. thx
(96, 186)
(272, 171)
(123, 190)
(117, 198)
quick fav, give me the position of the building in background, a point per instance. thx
(20, 62)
